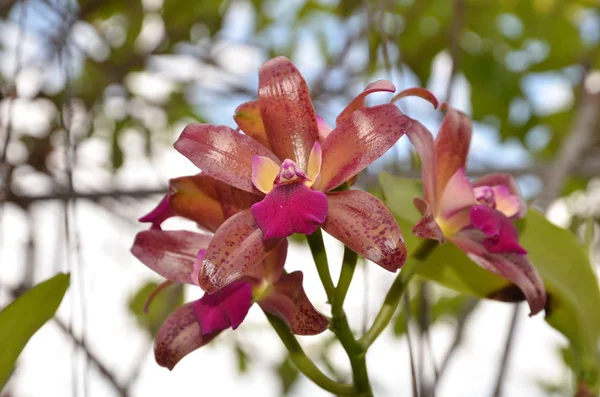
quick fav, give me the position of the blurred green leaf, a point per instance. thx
(24, 316)
(288, 374)
(562, 261)
(161, 307)
(241, 358)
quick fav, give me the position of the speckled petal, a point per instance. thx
(222, 153)
(422, 140)
(274, 262)
(235, 251)
(516, 268)
(288, 301)
(359, 101)
(224, 308)
(287, 110)
(264, 172)
(169, 253)
(358, 141)
(195, 198)
(509, 199)
(451, 147)
(159, 214)
(247, 116)
(178, 336)
(290, 208)
(427, 226)
(360, 221)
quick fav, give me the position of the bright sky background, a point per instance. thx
(111, 275)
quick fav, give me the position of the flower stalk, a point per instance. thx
(305, 364)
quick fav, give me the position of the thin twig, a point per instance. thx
(470, 305)
(457, 26)
(413, 374)
(102, 368)
(507, 350)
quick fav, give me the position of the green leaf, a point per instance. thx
(288, 373)
(241, 358)
(560, 258)
(162, 305)
(24, 316)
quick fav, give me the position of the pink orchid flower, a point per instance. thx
(175, 255)
(292, 161)
(476, 216)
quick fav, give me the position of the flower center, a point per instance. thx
(289, 172)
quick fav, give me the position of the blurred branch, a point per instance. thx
(582, 135)
(24, 200)
(514, 321)
(459, 331)
(457, 26)
(103, 369)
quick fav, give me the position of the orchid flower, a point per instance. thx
(292, 162)
(476, 216)
(178, 255)
(175, 255)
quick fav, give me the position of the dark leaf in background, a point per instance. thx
(161, 307)
(288, 374)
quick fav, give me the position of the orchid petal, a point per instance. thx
(314, 164)
(418, 92)
(359, 101)
(222, 153)
(451, 147)
(169, 253)
(508, 196)
(359, 220)
(290, 208)
(457, 195)
(195, 198)
(427, 227)
(513, 267)
(235, 251)
(288, 301)
(247, 116)
(274, 262)
(234, 200)
(358, 141)
(224, 308)
(194, 275)
(264, 172)
(159, 214)
(324, 128)
(178, 336)
(502, 234)
(287, 111)
(422, 140)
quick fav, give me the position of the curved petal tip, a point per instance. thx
(418, 92)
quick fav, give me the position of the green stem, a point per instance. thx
(392, 299)
(317, 248)
(346, 274)
(305, 364)
(341, 328)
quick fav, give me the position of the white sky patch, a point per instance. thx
(548, 92)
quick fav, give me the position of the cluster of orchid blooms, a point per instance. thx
(284, 171)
